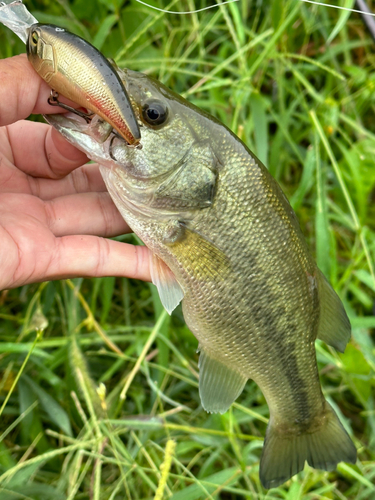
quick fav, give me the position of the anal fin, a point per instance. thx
(334, 325)
(219, 384)
(170, 291)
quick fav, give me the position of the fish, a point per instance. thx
(77, 70)
(224, 240)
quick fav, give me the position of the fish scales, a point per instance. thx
(244, 336)
(223, 235)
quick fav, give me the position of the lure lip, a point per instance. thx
(127, 127)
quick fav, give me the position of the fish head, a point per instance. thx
(40, 49)
(175, 170)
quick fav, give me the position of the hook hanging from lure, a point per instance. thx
(75, 69)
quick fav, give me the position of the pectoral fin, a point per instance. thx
(219, 385)
(201, 257)
(170, 291)
(334, 325)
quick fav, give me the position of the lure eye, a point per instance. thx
(155, 113)
(34, 37)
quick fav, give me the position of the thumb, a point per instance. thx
(22, 91)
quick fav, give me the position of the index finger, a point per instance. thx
(22, 91)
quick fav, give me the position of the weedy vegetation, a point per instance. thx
(98, 385)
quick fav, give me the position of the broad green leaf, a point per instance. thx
(354, 361)
(323, 240)
(342, 20)
(307, 179)
(106, 295)
(35, 491)
(258, 114)
(104, 30)
(56, 413)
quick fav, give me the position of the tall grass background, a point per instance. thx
(98, 385)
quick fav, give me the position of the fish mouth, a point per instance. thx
(79, 123)
(83, 121)
(88, 138)
(93, 137)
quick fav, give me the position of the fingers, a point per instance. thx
(90, 213)
(31, 252)
(37, 255)
(22, 91)
(39, 150)
(85, 179)
(81, 180)
(79, 256)
(89, 256)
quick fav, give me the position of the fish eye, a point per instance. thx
(154, 112)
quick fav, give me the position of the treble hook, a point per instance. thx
(54, 101)
(115, 135)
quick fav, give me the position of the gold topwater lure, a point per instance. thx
(75, 69)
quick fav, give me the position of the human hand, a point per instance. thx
(55, 215)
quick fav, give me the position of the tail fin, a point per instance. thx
(323, 446)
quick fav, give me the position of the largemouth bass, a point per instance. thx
(223, 237)
(77, 70)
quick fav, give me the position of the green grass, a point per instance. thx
(96, 380)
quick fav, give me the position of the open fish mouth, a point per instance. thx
(95, 138)
(92, 138)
